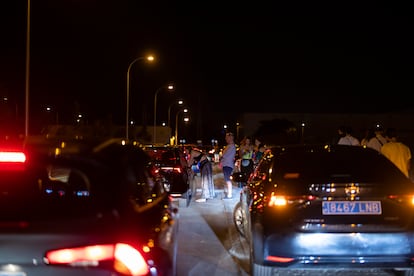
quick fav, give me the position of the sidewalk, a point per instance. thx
(208, 242)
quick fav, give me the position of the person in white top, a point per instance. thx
(347, 138)
(378, 140)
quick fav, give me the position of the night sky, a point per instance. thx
(223, 59)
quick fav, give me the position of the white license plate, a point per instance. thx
(351, 208)
(10, 273)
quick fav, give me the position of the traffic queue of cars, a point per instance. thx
(109, 210)
(102, 212)
(327, 208)
(172, 164)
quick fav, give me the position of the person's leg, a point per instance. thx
(209, 180)
(199, 188)
(204, 184)
(229, 185)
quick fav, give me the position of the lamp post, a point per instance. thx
(148, 58)
(179, 102)
(169, 87)
(27, 97)
(185, 110)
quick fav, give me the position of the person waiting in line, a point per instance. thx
(397, 152)
(369, 133)
(259, 149)
(227, 164)
(246, 151)
(377, 140)
(202, 171)
(346, 137)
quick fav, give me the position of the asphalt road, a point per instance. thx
(208, 242)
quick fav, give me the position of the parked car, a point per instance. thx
(104, 212)
(172, 163)
(327, 208)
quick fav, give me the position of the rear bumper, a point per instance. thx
(362, 249)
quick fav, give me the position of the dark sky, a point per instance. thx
(343, 56)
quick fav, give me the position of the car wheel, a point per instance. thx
(238, 218)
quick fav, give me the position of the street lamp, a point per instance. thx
(148, 58)
(185, 110)
(26, 124)
(169, 87)
(179, 102)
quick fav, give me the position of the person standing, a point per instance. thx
(259, 149)
(227, 164)
(369, 134)
(346, 137)
(378, 140)
(396, 151)
(246, 151)
(202, 175)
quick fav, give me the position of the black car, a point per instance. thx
(172, 164)
(104, 212)
(327, 208)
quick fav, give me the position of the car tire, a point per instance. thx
(239, 218)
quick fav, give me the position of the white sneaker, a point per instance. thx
(200, 200)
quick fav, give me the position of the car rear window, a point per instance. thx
(335, 166)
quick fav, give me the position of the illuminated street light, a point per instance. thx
(179, 102)
(185, 110)
(51, 110)
(148, 58)
(169, 87)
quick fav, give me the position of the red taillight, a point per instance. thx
(12, 160)
(126, 259)
(168, 169)
(278, 259)
(12, 157)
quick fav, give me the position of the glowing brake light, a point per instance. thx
(409, 199)
(283, 200)
(175, 169)
(277, 200)
(12, 157)
(126, 259)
